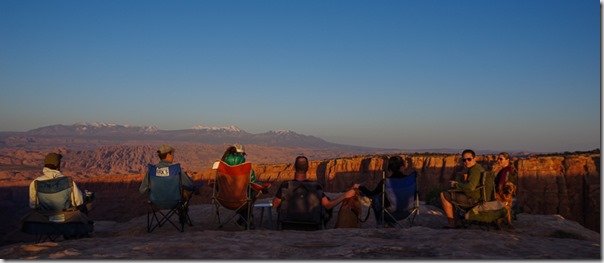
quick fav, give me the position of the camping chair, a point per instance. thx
(166, 193)
(487, 209)
(233, 191)
(55, 213)
(403, 196)
(301, 206)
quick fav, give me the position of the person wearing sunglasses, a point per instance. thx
(507, 169)
(465, 193)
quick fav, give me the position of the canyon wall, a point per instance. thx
(568, 185)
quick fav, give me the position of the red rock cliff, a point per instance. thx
(567, 185)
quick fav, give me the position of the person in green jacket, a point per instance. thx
(464, 193)
(234, 155)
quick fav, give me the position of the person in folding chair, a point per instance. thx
(233, 156)
(56, 198)
(52, 170)
(297, 214)
(464, 194)
(170, 188)
(398, 168)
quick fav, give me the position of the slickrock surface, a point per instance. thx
(535, 237)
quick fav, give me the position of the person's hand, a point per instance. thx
(452, 183)
(356, 186)
(350, 193)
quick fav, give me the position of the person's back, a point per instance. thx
(51, 171)
(301, 166)
(57, 203)
(166, 156)
(301, 206)
(54, 194)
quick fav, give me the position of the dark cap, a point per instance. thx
(53, 159)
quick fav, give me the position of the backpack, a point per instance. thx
(487, 181)
(488, 208)
(301, 203)
(487, 212)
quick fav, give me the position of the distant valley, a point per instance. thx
(99, 149)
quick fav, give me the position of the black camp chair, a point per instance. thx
(403, 197)
(166, 193)
(55, 214)
(301, 206)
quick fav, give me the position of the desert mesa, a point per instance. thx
(566, 184)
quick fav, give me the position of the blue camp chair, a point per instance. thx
(403, 196)
(301, 206)
(166, 193)
(55, 214)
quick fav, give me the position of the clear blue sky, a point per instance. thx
(496, 75)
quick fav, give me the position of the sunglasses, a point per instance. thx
(466, 159)
(500, 159)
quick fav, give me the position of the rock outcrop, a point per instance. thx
(568, 185)
(565, 184)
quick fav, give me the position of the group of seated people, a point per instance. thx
(235, 154)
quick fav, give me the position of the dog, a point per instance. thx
(349, 214)
(505, 194)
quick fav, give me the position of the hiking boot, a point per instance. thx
(451, 224)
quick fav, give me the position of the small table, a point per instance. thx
(266, 204)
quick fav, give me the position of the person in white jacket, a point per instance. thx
(52, 169)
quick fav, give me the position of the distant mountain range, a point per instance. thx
(117, 133)
(198, 134)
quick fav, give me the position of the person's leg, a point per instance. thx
(376, 205)
(448, 208)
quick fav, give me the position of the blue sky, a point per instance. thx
(496, 75)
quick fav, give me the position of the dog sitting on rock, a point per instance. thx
(505, 194)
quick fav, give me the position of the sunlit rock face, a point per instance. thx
(568, 185)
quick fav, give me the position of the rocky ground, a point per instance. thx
(535, 237)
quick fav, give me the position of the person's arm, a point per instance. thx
(277, 199)
(32, 195)
(77, 195)
(144, 184)
(253, 180)
(329, 204)
(276, 202)
(185, 179)
(472, 182)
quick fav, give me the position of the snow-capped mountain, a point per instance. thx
(118, 133)
(93, 128)
(231, 128)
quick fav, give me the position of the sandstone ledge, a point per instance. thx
(535, 237)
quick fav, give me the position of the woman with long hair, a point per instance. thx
(504, 161)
